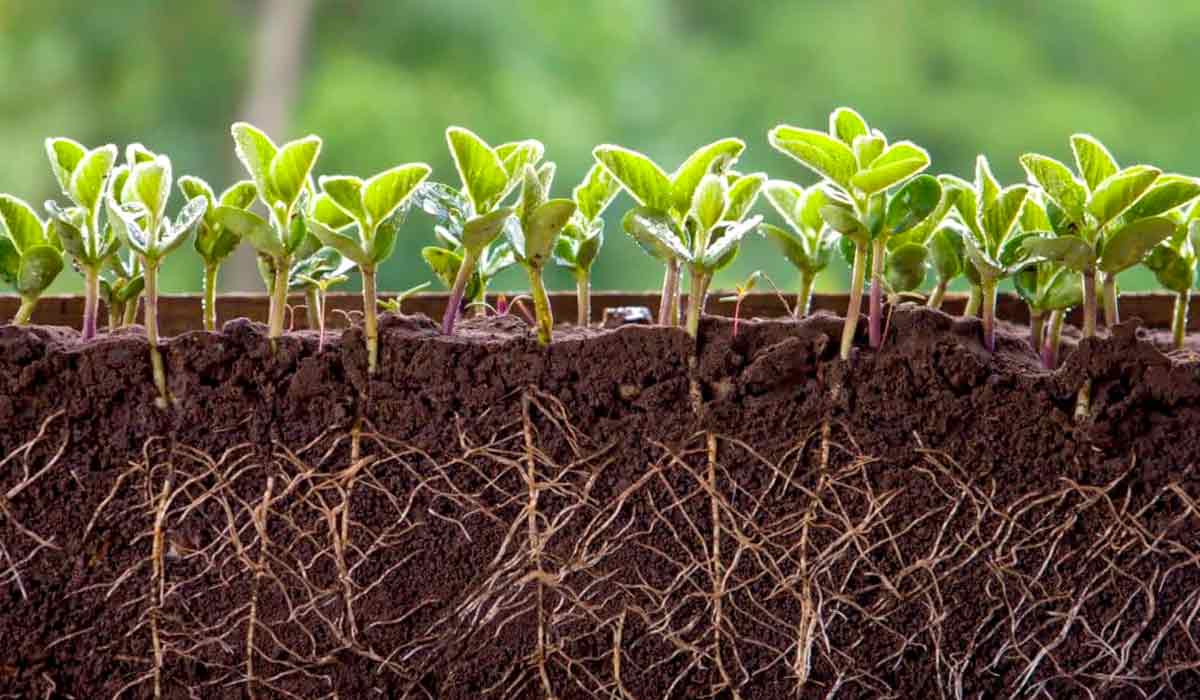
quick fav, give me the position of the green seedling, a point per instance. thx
(314, 275)
(140, 220)
(581, 239)
(121, 289)
(859, 167)
(395, 305)
(282, 177)
(1113, 217)
(362, 224)
(740, 293)
(1173, 263)
(669, 199)
(947, 258)
(991, 237)
(710, 236)
(807, 242)
(31, 255)
(83, 176)
(1048, 289)
(214, 241)
(532, 235)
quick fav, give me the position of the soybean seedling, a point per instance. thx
(444, 260)
(121, 288)
(215, 241)
(142, 222)
(1173, 263)
(807, 242)
(83, 176)
(1047, 288)
(581, 239)
(314, 275)
(991, 237)
(281, 174)
(740, 293)
(711, 233)
(859, 166)
(31, 256)
(668, 199)
(395, 305)
(372, 212)
(1114, 217)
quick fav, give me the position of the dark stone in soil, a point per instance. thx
(626, 513)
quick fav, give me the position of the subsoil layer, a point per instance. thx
(627, 513)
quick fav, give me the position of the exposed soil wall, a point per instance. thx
(626, 513)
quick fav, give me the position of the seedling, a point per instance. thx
(1113, 217)
(580, 242)
(991, 237)
(947, 257)
(668, 199)
(1173, 263)
(740, 292)
(395, 305)
(1048, 289)
(859, 167)
(120, 291)
(314, 275)
(362, 225)
(807, 243)
(142, 222)
(83, 176)
(281, 174)
(31, 256)
(214, 241)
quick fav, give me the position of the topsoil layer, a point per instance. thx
(625, 514)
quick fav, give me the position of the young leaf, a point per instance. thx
(868, 147)
(1169, 267)
(444, 263)
(251, 227)
(90, 175)
(479, 232)
(596, 192)
(329, 213)
(913, 203)
(710, 202)
(349, 246)
(1118, 192)
(1062, 292)
(1092, 160)
(291, 167)
(543, 228)
(844, 221)
(64, 155)
(723, 249)
(1071, 251)
(239, 195)
(1058, 183)
(344, 191)
(640, 176)
(946, 251)
(256, 151)
(787, 198)
(10, 261)
(1001, 215)
(819, 152)
(743, 192)
(1169, 192)
(1130, 244)
(656, 233)
(790, 246)
(21, 223)
(480, 169)
(904, 268)
(712, 159)
(39, 266)
(847, 125)
(193, 187)
(899, 162)
(386, 192)
(150, 184)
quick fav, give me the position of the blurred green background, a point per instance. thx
(381, 79)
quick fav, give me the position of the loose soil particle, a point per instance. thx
(626, 513)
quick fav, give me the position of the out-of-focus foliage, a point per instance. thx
(381, 79)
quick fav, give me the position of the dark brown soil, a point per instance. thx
(625, 514)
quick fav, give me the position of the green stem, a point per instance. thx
(114, 315)
(1089, 303)
(312, 307)
(1037, 328)
(210, 297)
(875, 314)
(370, 318)
(857, 279)
(667, 315)
(1179, 322)
(279, 291)
(541, 305)
(1112, 315)
(321, 319)
(25, 311)
(91, 301)
(1053, 340)
(938, 295)
(131, 310)
(583, 293)
(989, 314)
(973, 302)
(804, 295)
(454, 304)
(156, 360)
(696, 300)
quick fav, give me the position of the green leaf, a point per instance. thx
(844, 221)
(787, 198)
(240, 195)
(1118, 192)
(589, 248)
(39, 266)
(640, 176)
(386, 192)
(710, 202)
(544, 226)
(946, 251)
(291, 167)
(64, 155)
(252, 228)
(868, 147)
(21, 223)
(256, 151)
(150, 184)
(789, 245)
(988, 267)
(1071, 251)
(137, 153)
(1130, 244)
(87, 182)
(1058, 183)
(904, 268)
(1172, 270)
(72, 241)
(1092, 160)
(345, 192)
(383, 243)
(192, 187)
(1033, 215)
(1063, 291)
(819, 152)
(962, 196)
(479, 232)
(349, 246)
(325, 210)
(1000, 216)
(444, 263)
(712, 159)
(913, 203)
(480, 169)
(10, 261)
(533, 194)
(185, 224)
(1169, 192)
(1012, 253)
(656, 233)
(847, 125)
(743, 192)
(596, 192)
(517, 154)
(723, 248)
(899, 162)
(986, 185)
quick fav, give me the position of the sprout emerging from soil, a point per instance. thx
(31, 256)
(83, 176)
(740, 292)
(532, 234)
(395, 305)
(807, 242)
(579, 245)
(1173, 263)
(859, 166)
(666, 200)
(282, 176)
(992, 240)
(314, 275)
(1048, 289)
(362, 224)
(121, 289)
(214, 241)
(141, 221)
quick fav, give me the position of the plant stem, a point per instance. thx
(131, 310)
(312, 308)
(1112, 315)
(541, 305)
(456, 292)
(114, 315)
(370, 318)
(857, 277)
(989, 315)
(583, 293)
(321, 319)
(876, 310)
(1053, 340)
(210, 297)
(973, 302)
(279, 290)
(1089, 303)
(804, 295)
(696, 300)
(25, 311)
(1179, 322)
(156, 361)
(938, 295)
(1037, 328)
(668, 310)
(91, 301)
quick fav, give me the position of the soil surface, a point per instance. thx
(627, 513)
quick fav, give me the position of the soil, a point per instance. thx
(627, 513)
